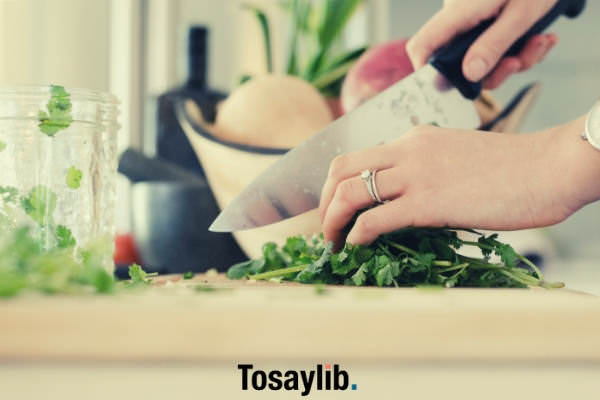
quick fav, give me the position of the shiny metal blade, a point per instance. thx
(293, 184)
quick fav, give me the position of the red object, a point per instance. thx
(126, 252)
(376, 70)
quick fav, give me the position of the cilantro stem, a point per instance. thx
(401, 248)
(439, 263)
(278, 272)
(453, 268)
(519, 256)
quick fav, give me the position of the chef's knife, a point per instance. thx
(437, 93)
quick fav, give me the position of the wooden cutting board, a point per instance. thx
(241, 320)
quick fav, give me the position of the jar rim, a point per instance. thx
(76, 94)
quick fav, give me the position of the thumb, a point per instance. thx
(512, 23)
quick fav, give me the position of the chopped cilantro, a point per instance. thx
(407, 257)
(39, 204)
(58, 113)
(139, 276)
(188, 275)
(73, 178)
(65, 237)
(9, 194)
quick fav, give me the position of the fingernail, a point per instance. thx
(476, 69)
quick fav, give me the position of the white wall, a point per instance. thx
(54, 41)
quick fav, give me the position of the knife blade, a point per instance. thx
(438, 94)
(292, 185)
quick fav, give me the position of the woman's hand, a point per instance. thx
(469, 179)
(484, 58)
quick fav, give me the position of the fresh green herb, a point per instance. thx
(58, 114)
(320, 290)
(65, 237)
(26, 265)
(9, 194)
(312, 51)
(139, 276)
(188, 275)
(407, 257)
(39, 204)
(2, 146)
(266, 31)
(73, 178)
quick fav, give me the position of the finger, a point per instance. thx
(533, 51)
(514, 20)
(352, 196)
(438, 31)
(352, 164)
(384, 218)
(506, 67)
(550, 47)
(536, 50)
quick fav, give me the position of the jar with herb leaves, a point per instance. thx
(58, 160)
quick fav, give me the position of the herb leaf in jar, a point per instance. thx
(58, 114)
(73, 178)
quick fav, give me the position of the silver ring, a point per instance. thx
(374, 187)
(368, 177)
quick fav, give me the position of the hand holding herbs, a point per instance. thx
(408, 257)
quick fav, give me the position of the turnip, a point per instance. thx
(376, 70)
(272, 111)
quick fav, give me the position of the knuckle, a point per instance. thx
(346, 192)
(338, 166)
(366, 224)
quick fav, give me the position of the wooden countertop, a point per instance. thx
(173, 321)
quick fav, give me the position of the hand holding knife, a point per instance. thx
(438, 93)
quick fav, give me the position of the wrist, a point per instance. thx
(578, 164)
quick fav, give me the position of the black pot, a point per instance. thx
(170, 226)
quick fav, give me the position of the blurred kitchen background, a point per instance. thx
(139, 49)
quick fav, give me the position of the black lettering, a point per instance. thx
(319, 377)
(307, 381)
(327, 379)
(245, 368)
(263, 380)
(275, 378)
(291, 383)
(337, 373)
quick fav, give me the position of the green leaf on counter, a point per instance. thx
(139, 276)
(188, 275)
(407, 257)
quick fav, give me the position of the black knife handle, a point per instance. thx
(448, 59)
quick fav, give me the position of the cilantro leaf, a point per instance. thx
(58, 113)
(40, 204)
(73, 178)
(9, 194)
(188, 275)
(138, 275)
(65, 237)
(314, 269)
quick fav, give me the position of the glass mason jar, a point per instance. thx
(58, 166)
